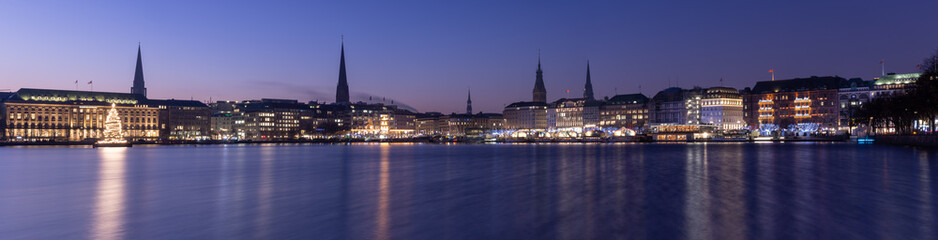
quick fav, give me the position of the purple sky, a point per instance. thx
(426, 54)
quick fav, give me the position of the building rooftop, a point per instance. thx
(798, 84)
(670, 95)
(176, 103)
(83, 97)
(856, 83)
(893, 78)
(5, 95)
(526, 104)
(628, 99)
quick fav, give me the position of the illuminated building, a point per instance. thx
(801, 103)
(223, 121)
(458, 125)
(526, 115)
(680, 132)
(856, 92)
(366, 120)
(893, 84)
(428, 124)
(60, 115)
(533, 114)
(183, 119)
(851, 96)
(576, 113)
(624, 111)
(676, 105)
(723, 108)
(270, 119)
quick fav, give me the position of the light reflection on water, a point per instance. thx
(509, 191)
(384, 192)
(109, 196)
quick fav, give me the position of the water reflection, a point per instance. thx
(926, 207)
(697, 199)
(517, 191)
(110, 196)
(265, 182)
(384, 192)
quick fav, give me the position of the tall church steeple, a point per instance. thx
(138, 87)
(341, 92)
(540, 93)
(469, 103)
(588, 89)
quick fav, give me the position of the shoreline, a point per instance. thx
(427, 141)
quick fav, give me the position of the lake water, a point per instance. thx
(504, 191)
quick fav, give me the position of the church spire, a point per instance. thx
(588, 89)
(138, 87)
(469, 103)
(341, 92)
(540, 93)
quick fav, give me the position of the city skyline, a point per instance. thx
(427, 72)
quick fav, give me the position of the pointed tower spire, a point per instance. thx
(540, 93)
(588, 89)
(139, 87)
(341, 92)
(469, 103)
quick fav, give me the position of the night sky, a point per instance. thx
(427, 54)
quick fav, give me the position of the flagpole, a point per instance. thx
(882, 63)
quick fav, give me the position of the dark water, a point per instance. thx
(560, 191)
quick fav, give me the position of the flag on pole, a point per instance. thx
(89, 82)
(76, 81)
(771, 70)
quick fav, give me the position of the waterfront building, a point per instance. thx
(624, 111)
(271, 119)
(676, 106)
(460, 125)
(797, 106)
(183, 119)
(224, 121)
(670, 132)
(722, 107)
(61, 115)
(574, 113)
(429, 124)
(851, 95)
(529, 115)
(893, 84)
(377, 120)
(526, 115)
